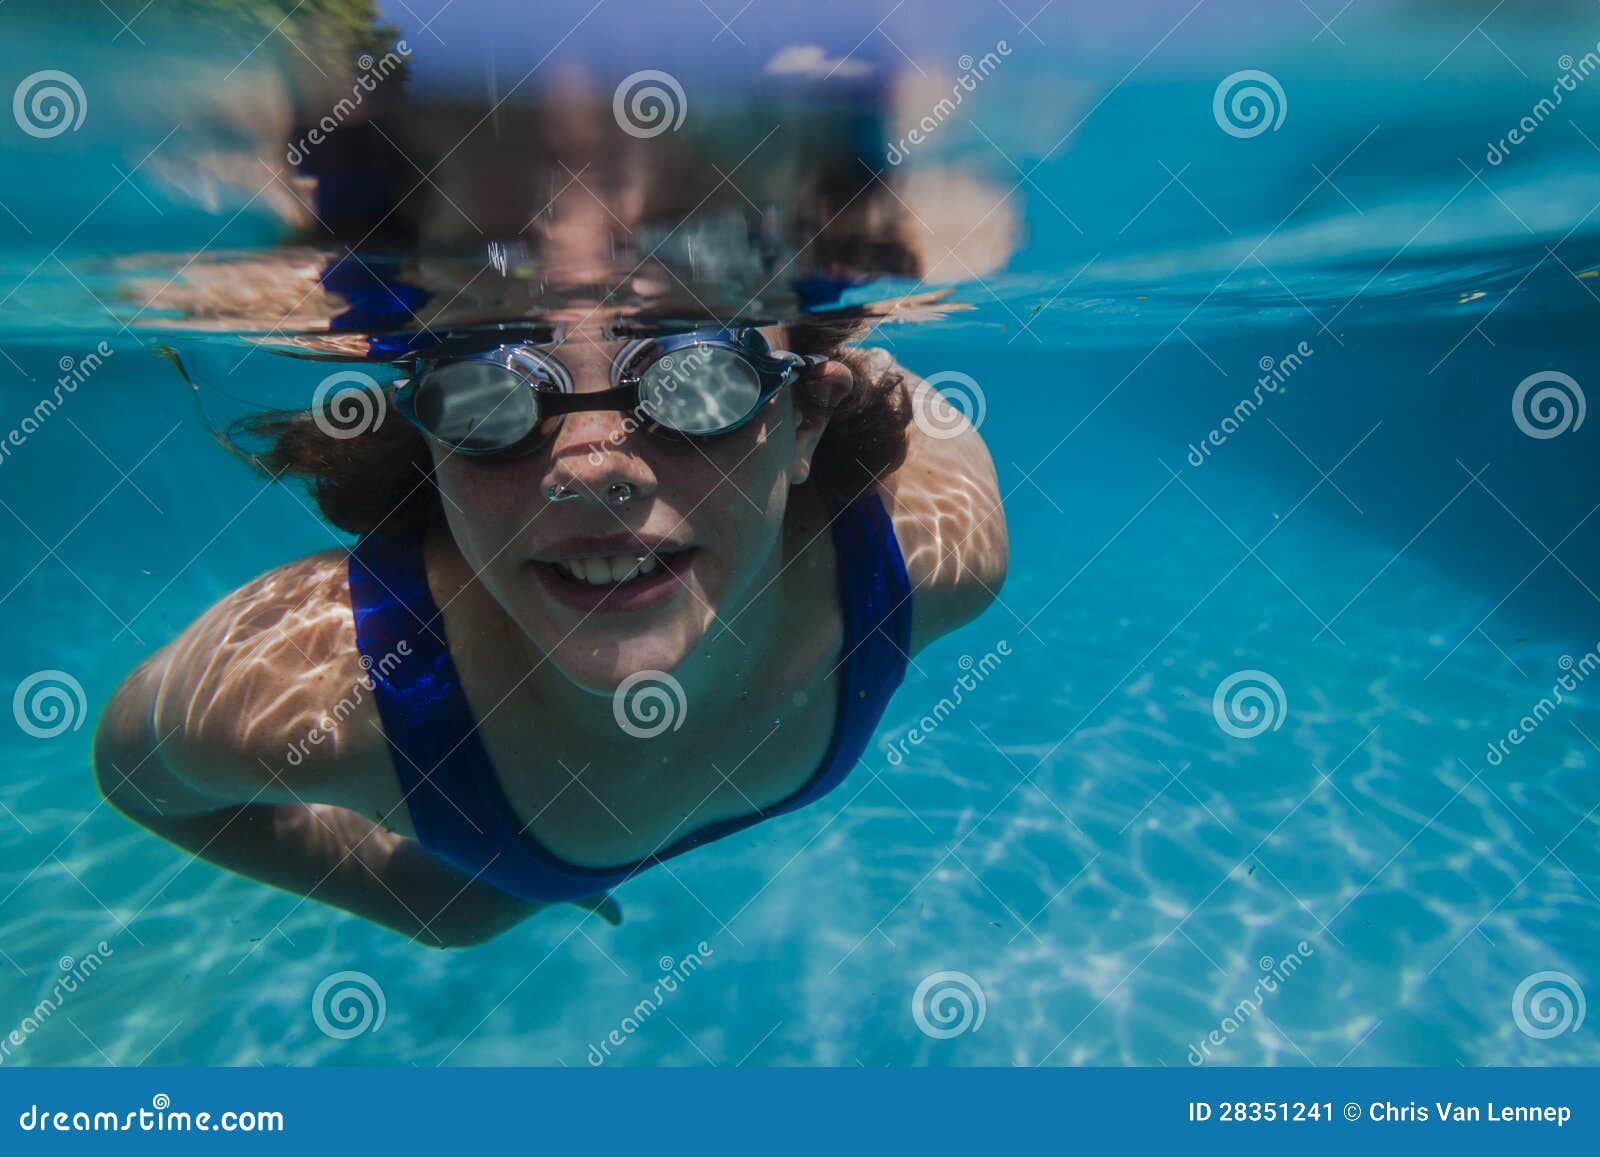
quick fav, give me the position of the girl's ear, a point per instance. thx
(825, 386)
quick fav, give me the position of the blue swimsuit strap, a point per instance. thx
(457, 806)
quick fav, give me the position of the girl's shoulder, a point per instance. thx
(946, 505)
(266, 690)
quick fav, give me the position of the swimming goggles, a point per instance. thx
(508, 401)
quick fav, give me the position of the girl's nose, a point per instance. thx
(591, 458)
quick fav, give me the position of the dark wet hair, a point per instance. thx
(383, 477)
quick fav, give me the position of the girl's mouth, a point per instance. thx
(615, 582)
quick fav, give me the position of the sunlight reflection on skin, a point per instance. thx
(248, 682)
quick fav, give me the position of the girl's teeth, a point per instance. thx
(605, 571)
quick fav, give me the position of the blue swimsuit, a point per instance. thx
(458, 809)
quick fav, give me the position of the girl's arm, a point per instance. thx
(194, 746)
(327, 853)
(948, 514)
(334, 856)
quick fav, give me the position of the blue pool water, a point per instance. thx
(1108, 865)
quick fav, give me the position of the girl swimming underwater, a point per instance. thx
(432, 730)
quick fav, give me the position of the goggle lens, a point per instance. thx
(481, 405)
(484, 405)
(699, 390)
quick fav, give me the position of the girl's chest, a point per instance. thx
(649, 785)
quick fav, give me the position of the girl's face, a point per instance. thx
(705, 517)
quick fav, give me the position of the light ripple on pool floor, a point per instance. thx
(1113, 891)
